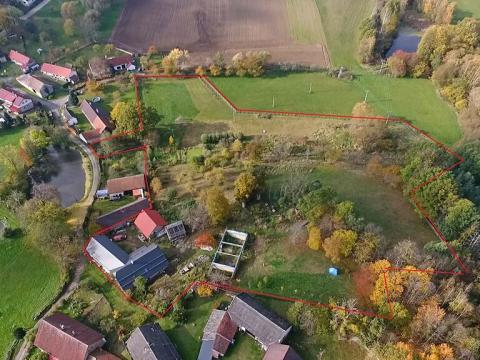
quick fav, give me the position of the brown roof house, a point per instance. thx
(217, 335)
(253, 317)
(64, 338)
(59, 73)
(281, 352)
(149, 342)
(35, 85)
(119, 187)
(97, 117)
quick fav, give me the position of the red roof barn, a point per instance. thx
(59, 72)
(64, 338)
(150, 222)
(21, 60)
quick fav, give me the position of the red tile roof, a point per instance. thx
(7, 96)
(67, 339)
(19, 58)
(221, 329)
(127, 183)
(90, 135)
(120, 60)
(57, 70)
(101, 354)
(148, 220)
(99, 120)
(205, 239)
(281, 352)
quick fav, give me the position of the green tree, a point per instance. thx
(460, 216)
(217, 206)
(139, 290)
(125, 116)
(340, 244)
(245, 185)
(69, 27)
(316, 203)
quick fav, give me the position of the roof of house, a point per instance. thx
(57, 70)
(149, 342)
(6, 95)
(205, 239)
(96, 116)
(123, 214)
(120, 60)
(148, 220)
(101, 354)
(31, 82)
(106, 253)
(65, 338)
(90, 135)
(147, 261)
(250, 314)
(220, 329)
(127, 183)
(18, 57)
(281, 352)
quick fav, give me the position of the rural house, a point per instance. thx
(106, 253)
(218, 334)
(123, 214)
(122, 63)
(59, 73)
(64, 338)
(98, 118)
(147, 261)
(253, 317)
(281, 352)
(150, 223)
(134, 185)
(25, 63)
(149, 342)
(15, 103)
(35, 85)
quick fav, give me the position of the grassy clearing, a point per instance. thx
(413, 99)
(467, 8)
(375, 201)
(305, 23)
(340, 20)
(29, 282)
(244, 347)
(10, 137)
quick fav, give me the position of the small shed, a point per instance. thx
(176, 231)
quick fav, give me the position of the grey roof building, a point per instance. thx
(106, 253)
(149, 342)
(147, 261)
(123, 213)
(252, 316)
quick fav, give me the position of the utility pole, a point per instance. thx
(273, 102)
(366, 96)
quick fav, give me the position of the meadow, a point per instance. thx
(467, 8)
(29, 282)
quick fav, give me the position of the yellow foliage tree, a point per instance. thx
(245, 185)
(217, 205)
(204, 291)
(438, 352)
(314, 240)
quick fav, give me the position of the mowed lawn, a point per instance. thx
(29, 282)
(467, 8)
(10, 137)
(412, 99)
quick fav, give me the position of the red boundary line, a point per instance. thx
(226, 287)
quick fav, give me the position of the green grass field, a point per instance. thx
(412, 99)
(10, 137)
(305, 23)
(29, 282)
(467, 8)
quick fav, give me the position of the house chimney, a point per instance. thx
(62, 326)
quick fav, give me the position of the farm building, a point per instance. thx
(60, 73)
(281, 352)
(15, 103)
(122, 214)
(150, 223)
(106, 253)
(147, 261)
(229, 251)
(217, 335)
(119, 187)
(25, 63)
(253, 317)
(64, 338)
(98, 118)
(122, 63)
(149, 342)
(175, 231)
(205, 241)
(35, 85)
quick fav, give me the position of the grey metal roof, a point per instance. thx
(111, 247)
(148, 262)
(149, 342)
(250, 314)
(123, 213)
(206, 350)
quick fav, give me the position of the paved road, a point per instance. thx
(36, 9)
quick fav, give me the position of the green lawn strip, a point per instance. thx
(210, 107)
(29, 283)
(375, 201)
(305, 28)
(106, 206)
(467, 8)
(10, 137)
(413, 99)
(245, 347)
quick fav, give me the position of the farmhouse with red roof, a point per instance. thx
(98, 118)
(64, 338)
(217, 335)
(23, 61)
(14, 102)
(121, 63)
(119, 187)
(150, 223)
(60, 73)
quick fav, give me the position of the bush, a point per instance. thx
(19, 333)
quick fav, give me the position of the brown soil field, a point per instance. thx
(206, 26)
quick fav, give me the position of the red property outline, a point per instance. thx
(226, 287)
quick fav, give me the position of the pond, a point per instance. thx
(69, 177)
(407, 40)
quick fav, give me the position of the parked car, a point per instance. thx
(119, 237)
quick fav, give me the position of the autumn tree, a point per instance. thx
(69, 27)
(397, 66)
(340, 244)
(156, 186)
(245, 184)
(427, 320)
(125, 116)
(173, 62)
(314, 241)
(217, 205)
(459, 217)
(204, 291)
